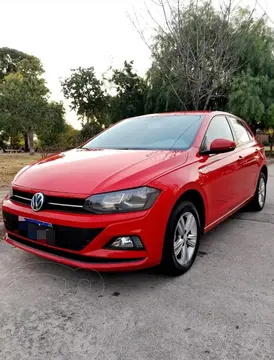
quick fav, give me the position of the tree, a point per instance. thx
(23, 99)
(198, 49)
(161, 96)
(257, 44)
(246, 98)
(70, 137)
(86, 94)
(252, 88)
(52, 127)
(251, 98)
(9, 60)
(89, 130)
(131, 92)
(9, 63)
(193, 53)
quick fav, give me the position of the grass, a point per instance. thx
(10, 164)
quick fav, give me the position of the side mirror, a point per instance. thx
(219, 146)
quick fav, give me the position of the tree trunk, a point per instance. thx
(30, 138)
(2, 145)
(26, 146)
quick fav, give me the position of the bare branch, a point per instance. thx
(197, 56)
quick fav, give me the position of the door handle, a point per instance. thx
(241, 157)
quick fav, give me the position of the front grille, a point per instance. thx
(51, 202)
(65, 237)
(67, 255)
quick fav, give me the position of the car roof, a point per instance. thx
(194, 112)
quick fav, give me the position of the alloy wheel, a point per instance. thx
(185, 238)
(261, 192)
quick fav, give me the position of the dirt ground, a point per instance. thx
(10, 164)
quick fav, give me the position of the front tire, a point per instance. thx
(258, 201)
(182, 239)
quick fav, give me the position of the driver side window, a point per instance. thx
(217, 129)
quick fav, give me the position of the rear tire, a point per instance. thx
(258, 201)
(182, 239)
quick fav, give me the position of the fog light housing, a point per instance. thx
(126, 243)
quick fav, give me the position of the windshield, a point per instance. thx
(157, 132)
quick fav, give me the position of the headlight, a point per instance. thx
(137, 199)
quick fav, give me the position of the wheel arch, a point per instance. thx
(196, 197)
(265, 171)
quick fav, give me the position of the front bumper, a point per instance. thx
(149, 225)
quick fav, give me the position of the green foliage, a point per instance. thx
(202, 58)
(251, 98)
(131, 91)
(252, 87)
(70, 138)
(9, 60)
(269, 121)
(256, 42)
(246, 97)
(92, 103)
(161, 96)
(193, 56)
(206, 59)
(23, 99)
(16, 141)
(51, 127)
(31, 67)
(89, 130)
(85, 93)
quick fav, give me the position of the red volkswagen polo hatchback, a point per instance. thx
(139, 194)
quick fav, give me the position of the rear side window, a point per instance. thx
(250, 134)
(242, 135)
(217, 129)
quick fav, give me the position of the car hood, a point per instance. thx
(83, 172)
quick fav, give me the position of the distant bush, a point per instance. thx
(89, 130)
(52, 142)
(70, 138)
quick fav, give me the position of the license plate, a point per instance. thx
(37, 230)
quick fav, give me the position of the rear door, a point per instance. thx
(249, 157)
(219, 173)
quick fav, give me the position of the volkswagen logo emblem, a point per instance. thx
(37, 201)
